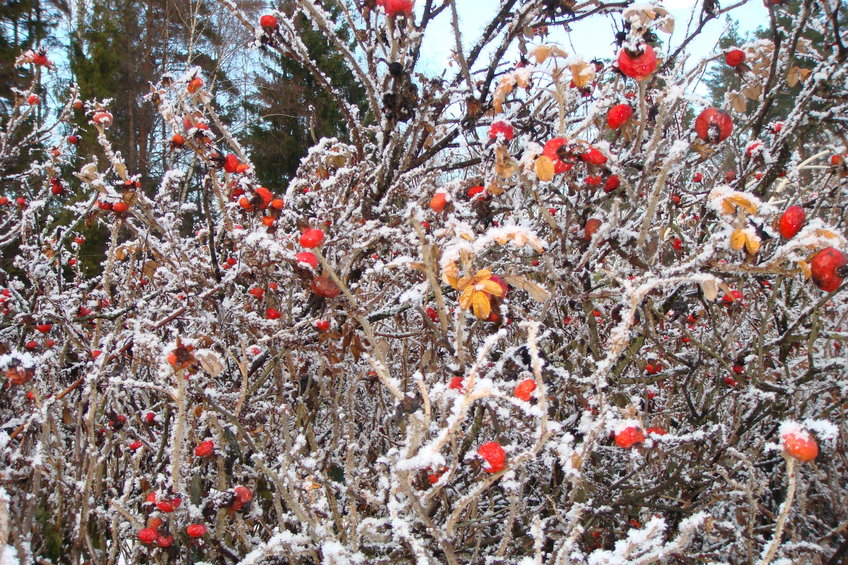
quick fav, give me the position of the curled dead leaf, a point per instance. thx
(544, 167)
(737, 240)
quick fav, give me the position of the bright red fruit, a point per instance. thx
(635, 65)
(194, 85)
(829, 269)
(656, 431)
(231, 163)
(455, 383)
(44, 328)
(438, 202)
(619, 115)
(494, 456)
(502, 128)
(196, 530)
(594, 157)
(697, 177)
(322, 325)
(4, 200)
(120, 206)
(311, 238)
(800, 445)
(272, 313)
(165, 541)
(612, 183)
(432, 314)
(628, 437)
(734, 57)
(732, 296)
(103, 119)
(204, 448)
(268, 21)
(398, 6)
(524, 389)
(147, 535)
(475, 190)
(713, 125)
(256, 292)
(307, 258)
(791, 222)
(551, 151)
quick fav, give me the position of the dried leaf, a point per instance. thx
(806, 269)
(210, 362)
(505, 165)
(536, 291)
(495, 188)
(582, 73)
(796, 75)
(752, 244)
(710, 289)
(753, 92)
(544, 168)
(743, 203)
(737, 240)
(738, 101)
(541, 53)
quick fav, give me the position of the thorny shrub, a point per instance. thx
(533, 325)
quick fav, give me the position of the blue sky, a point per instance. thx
(590, 38)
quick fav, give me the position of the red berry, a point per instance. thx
(204, 448)
(629, 436)
(322, 325)
(732, 296)
(268, 21)
(120, 207)
(73, 139)
(592, 226)
(653, 368)
(635, 65)
(455, 383)
(619, 115)
(33, 100)
(311, 238)
(256, 292)
(4, 200)
(165, 541)
(196, 530)
(44, 328)
(265, 195)
(231, 163)
(194, 85)
(734, 57)
(502, 128)
(177, 140)
(593, 180)
(697, 177)
(432, 314)
(677, 244)
(475, 190)
(801, 445)
(21, 202)
(551, 151)
(656, 431)
(713, 125)
(147, 535)
(150, 417)
(612, 183)
(738, 369)
(594, 157)
(135, 445)
(30, 345)
(272, 314)
(103, 119)
(524, 389)
(828, 269)
(438, 202)
(494, 456)
(730, 176)
(307, 258)
(791, 222)
(324, 287)
(95, 353)
(393, 7)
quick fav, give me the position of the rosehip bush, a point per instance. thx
(521, 314)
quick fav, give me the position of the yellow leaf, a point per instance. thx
(466, 298)
(492, 288)
(544, 168)
(450, 275)
(805, 268)
(495, 188)
(743, 203)
(737, 240)
(827, 234)
(752, 244)
(481, 305)
(541, 53)
(727, 207)
(582, 73)
(738, 101)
